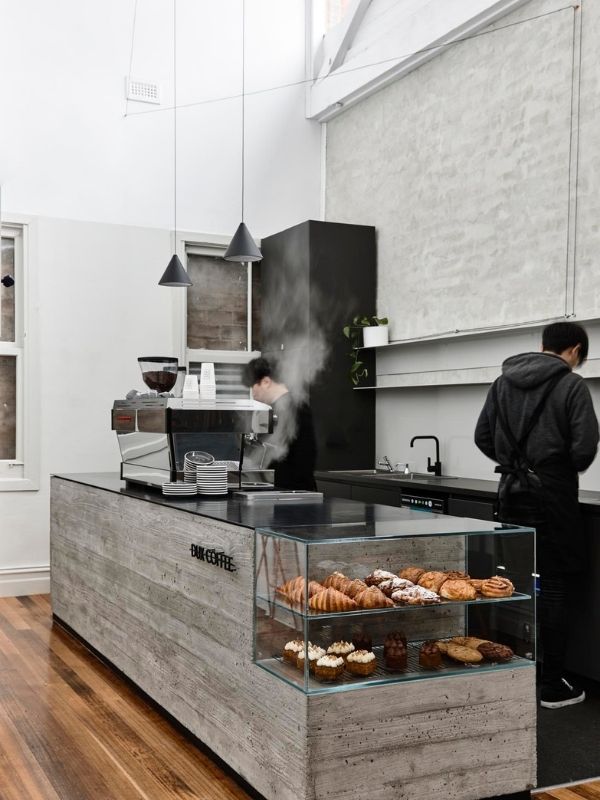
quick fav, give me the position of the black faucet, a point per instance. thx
(437, 467)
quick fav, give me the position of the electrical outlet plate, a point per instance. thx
(142, 91)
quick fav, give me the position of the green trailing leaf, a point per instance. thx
(353, 332)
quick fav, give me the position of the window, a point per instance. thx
(222, 316)
(18, 441)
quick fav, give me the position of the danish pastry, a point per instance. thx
(372, 597)
(392, 585)
(415, 596)
(456, 574)
(411, 574)
(457, 589)
(443, 645)
(465, 655)
(476, 583)
(378, 576)
(432, 581)
(497, 587)
(492, 651)
(331, 600)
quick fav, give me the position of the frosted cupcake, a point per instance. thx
(314, 654)
(329, 667)
(342, 649)
(361, 662)
(291, 650)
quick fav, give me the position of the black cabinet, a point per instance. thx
(315, 277)
(477, 509)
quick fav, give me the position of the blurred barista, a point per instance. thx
(293, 439)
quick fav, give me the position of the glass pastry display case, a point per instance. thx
(342, 606)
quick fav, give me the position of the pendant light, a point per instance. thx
(175, 274)
(242, 247)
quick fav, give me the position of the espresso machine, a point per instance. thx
(154, 433)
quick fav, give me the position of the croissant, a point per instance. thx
(290, 586)
(331, 600)
(352, 588)
(335, 580)
(372, 597)
(298, 596)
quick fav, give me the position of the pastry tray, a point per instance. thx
(382, 675)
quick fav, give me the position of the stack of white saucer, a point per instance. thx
(212, 478)
(180, 488)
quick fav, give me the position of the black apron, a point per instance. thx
(544, 496)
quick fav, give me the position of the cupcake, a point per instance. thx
(361, 662)
(314, 654)
(393, 637)
(396, 656)
(329, 667)
(430, 655)
(291, 650)
(361, 640)
(340, 649)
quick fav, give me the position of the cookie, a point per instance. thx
(465, 655)
(469, 641)
(492, 651)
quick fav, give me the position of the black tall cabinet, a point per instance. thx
(315, 277)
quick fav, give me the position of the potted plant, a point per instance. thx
(374, 332)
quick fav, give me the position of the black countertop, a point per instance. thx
(455, 487)
(331, 511)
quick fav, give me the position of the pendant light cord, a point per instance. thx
(243, 94)
(175, 123)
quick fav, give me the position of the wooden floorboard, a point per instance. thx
(583, 791)
(72, 729)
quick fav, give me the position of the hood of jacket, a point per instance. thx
(529, 370)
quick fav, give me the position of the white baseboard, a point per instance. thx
(20, 581)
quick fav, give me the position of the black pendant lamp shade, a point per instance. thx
(242, 247)
(175, 274)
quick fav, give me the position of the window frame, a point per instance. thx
(22, 473)
(215, 246)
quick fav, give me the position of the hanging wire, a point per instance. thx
(175, 123)
(340, 72)
(243, 94)
(131, 56)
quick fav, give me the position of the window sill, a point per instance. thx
(18, 485)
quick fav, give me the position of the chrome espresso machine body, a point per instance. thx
(154, 434)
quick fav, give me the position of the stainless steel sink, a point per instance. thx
(420, 477)
(378, 472)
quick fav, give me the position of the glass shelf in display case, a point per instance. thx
(501, 612)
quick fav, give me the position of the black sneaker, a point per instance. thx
(561, 694)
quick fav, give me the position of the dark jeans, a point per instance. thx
(553, 610)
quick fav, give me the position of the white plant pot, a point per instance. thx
(376, 335)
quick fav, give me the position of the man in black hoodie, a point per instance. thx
(538, 423)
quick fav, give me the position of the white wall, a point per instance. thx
(98, 188)
(460, 242)
(66, 149)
